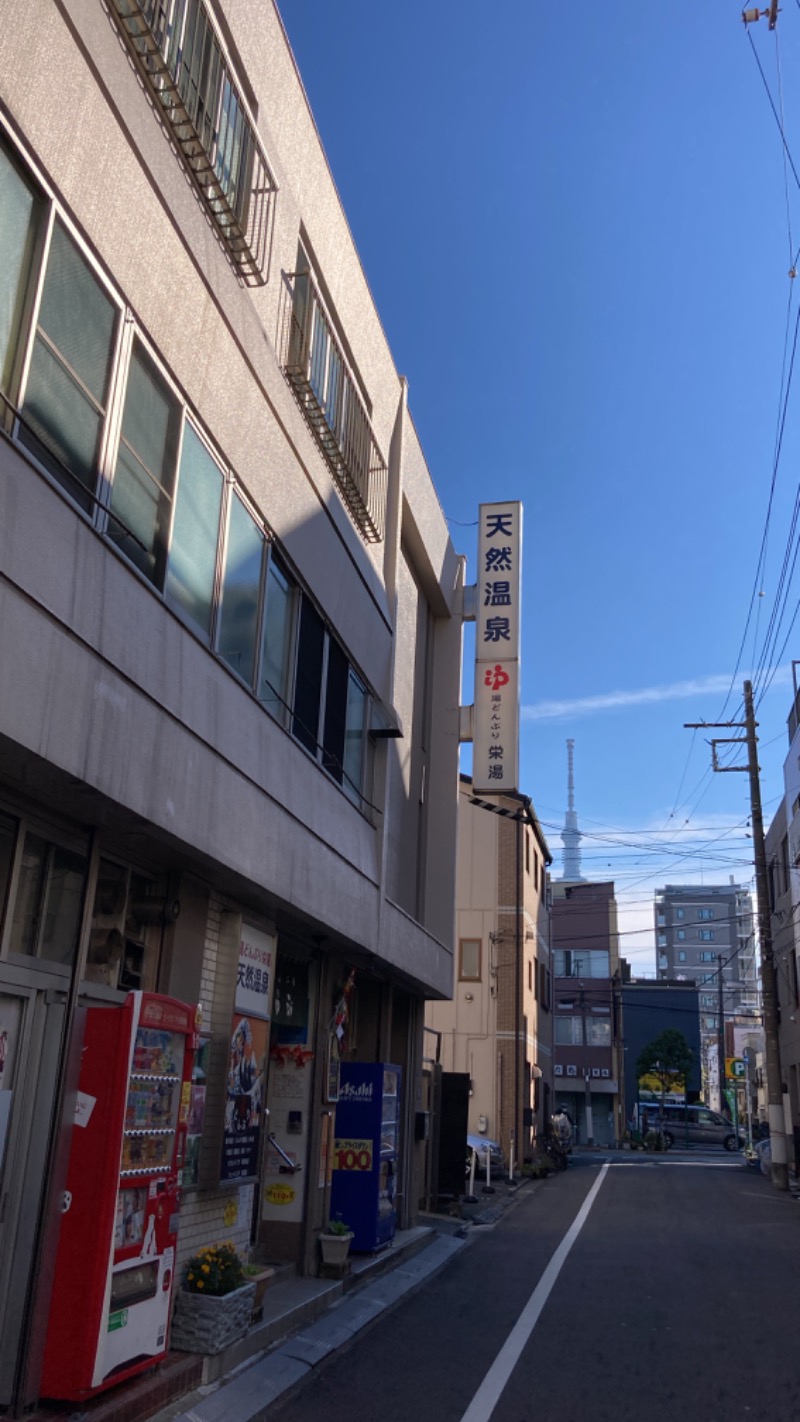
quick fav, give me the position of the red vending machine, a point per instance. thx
(115, 1264)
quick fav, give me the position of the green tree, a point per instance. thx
(669, 1058)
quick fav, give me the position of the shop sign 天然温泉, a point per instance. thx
(244, 1095)
(495, 749)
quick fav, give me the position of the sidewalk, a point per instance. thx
(306, 1320)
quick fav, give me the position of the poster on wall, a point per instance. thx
(290, 1079)
(247, 1053)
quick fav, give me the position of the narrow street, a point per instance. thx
(677, 1300)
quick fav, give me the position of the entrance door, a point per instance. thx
(32, 1011)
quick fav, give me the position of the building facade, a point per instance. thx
(648, 1009)
(702, 932)
(586, 1048)
(783, 878)
(230, 619)
(497, 1028)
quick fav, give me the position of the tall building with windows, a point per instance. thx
(586, 1039)
(703, 931)
(230, 623)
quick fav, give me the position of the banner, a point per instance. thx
(495, 752)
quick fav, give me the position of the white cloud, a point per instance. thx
(644, 696)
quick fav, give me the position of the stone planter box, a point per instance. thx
(204, 1324)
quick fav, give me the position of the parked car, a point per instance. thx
(480, 1145)
(697, 1125)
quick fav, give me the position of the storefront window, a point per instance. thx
(48, 906)
(123, 948)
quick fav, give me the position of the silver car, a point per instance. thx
(697, 1125)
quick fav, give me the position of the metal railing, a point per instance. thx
(327, 394)
(181, 58)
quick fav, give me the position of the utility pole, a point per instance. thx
(777, 1130)
(721, 1034)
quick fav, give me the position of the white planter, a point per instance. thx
(335, 1247)
(202, 1323)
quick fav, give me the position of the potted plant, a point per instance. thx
(335, 1241)
(213, 1307)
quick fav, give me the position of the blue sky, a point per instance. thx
(574, 221)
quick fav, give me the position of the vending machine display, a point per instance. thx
(116, 1253)
(366, 1153)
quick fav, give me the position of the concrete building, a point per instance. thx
(586, 1048)
(230, 618)
(648, 1009)
(783, 870)
(497, 1029)
(702, 930)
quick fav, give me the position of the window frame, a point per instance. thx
(470, 977)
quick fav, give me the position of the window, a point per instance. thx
(328, 394)
(682, 956)
(66, 394)
(706, 1000)
(581, 963)
(241, 591)
(680, 934)
(544, 987)
(662, 940)
(199, 96)
(598, 1033)
(47, 911)
(144, 478)
(308, 686)
(469, 959)
(18, 219)
(705, 914)
(706, 935)
(706, 957)
(276, 653)
(679, 913)
(709, 1023)
(191, 571)
(568, 1031)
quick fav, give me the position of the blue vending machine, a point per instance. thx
(365, 1153)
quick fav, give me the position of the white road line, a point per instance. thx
(486, 1398)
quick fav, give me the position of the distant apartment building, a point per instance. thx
(586, 1049)
(496, 1029)
(703, 930)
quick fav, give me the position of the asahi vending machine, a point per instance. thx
(115, 1264)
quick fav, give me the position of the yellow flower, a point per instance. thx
(206, 1268)
(191, 1278)
(199, 1283)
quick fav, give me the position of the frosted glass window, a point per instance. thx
(241, 592)
(568, 1031)
(469, 959)
(195, 532)
(598, 1034)
(47, 911)
(17, 205)
(144, 479)
(67, 389)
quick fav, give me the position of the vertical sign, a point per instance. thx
(495, 754)
(247, 1055)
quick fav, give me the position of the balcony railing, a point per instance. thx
(327, 394)
(183, 62)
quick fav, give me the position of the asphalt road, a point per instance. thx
(678, 1297)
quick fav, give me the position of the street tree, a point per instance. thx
(669, 1058)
